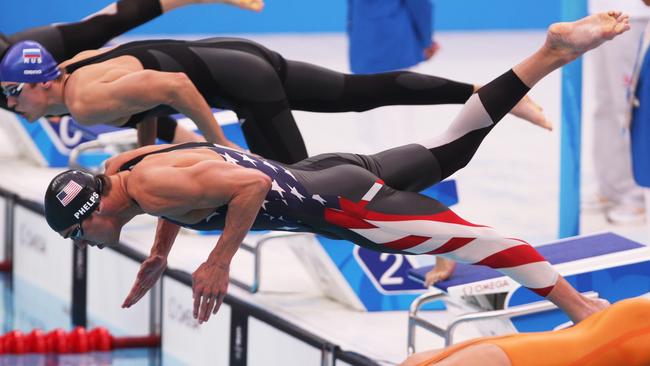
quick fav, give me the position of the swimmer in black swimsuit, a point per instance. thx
(361, 198)
(124, 85)
(65, 40)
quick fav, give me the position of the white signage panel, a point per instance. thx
(270, 346)
(110, 277)
(185, 341)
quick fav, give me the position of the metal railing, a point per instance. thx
(255, 248)
(447, 333)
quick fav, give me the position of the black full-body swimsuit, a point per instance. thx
(262, 85)
(263, 88)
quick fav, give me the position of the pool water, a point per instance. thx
(25, 307)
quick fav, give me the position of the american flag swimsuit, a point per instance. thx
(372, 200)
(339, 196)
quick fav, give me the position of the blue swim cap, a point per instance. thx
(28, 62)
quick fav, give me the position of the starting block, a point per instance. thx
(52, 142)
(608, 264)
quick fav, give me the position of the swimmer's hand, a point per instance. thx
(150, 271)
(209, 286)
(430, 51)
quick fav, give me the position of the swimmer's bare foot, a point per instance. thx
(567, 41)
(592, 306)
(443, 269)
(254, 5)
(577, 306)
(530, 111)
(573, 39)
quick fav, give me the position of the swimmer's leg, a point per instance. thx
(317, 89)
(412, 168)
(429, 227)
(66, 40)
(396, 221)
(565, 42)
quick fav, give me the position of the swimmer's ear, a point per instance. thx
(102, 166)
(99, 208)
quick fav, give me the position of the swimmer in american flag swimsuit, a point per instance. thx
(366, 199)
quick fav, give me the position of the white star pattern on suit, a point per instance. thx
(318, 198)
(295, 192)
(276, 187)
(229, 159)
(248, 159)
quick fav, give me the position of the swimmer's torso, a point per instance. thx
(288, 206)
(218, 67)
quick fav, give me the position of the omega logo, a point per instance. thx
(182, 314)
(480, 288)
(239, 343)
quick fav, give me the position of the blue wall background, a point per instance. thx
(284, 16)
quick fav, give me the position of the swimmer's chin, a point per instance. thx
(31, 119)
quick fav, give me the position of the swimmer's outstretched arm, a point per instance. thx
(164, 189)
(210, 280)
(101, 96)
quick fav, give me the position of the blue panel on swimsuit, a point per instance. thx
(445, 192)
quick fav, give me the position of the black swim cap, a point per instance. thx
(71, 197)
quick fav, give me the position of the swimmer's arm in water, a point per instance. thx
(153, 267)
(112, 96)
(176, 191)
